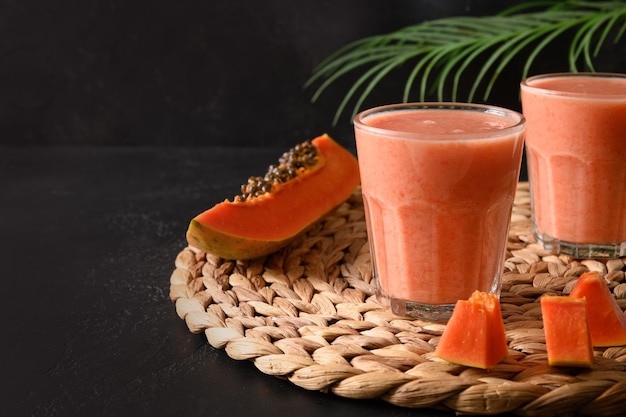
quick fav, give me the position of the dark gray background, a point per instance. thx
(118, 72)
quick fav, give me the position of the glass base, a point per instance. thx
(428, 312)
(581, 250)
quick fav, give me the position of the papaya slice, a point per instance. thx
(568, 340)
(474, 336)
(311, 179)
(607, 322)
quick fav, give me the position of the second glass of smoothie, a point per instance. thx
(576, 148)
(438, 183)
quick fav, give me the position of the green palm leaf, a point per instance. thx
(438, 53)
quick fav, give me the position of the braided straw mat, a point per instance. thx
(308, 314)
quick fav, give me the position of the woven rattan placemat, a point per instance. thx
(308, 314)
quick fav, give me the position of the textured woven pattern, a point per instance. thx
(308, 314)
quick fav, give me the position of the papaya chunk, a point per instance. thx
(260, 223)
(474, 335)
(607, 322)
(568, 340)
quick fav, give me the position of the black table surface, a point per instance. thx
(89, 237)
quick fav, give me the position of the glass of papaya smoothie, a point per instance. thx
(438, 183)
(576, 154)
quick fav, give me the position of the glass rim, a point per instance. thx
(517, 119)
(527, 84)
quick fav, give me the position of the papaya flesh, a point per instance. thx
(474, 336)
(256, 225)
(568, 340)
(607, 322)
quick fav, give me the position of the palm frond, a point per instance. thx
(439, 52)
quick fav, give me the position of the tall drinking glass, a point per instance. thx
(438, 183)
(576, 153)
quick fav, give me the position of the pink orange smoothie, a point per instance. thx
(576, 148)
(438, 187)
